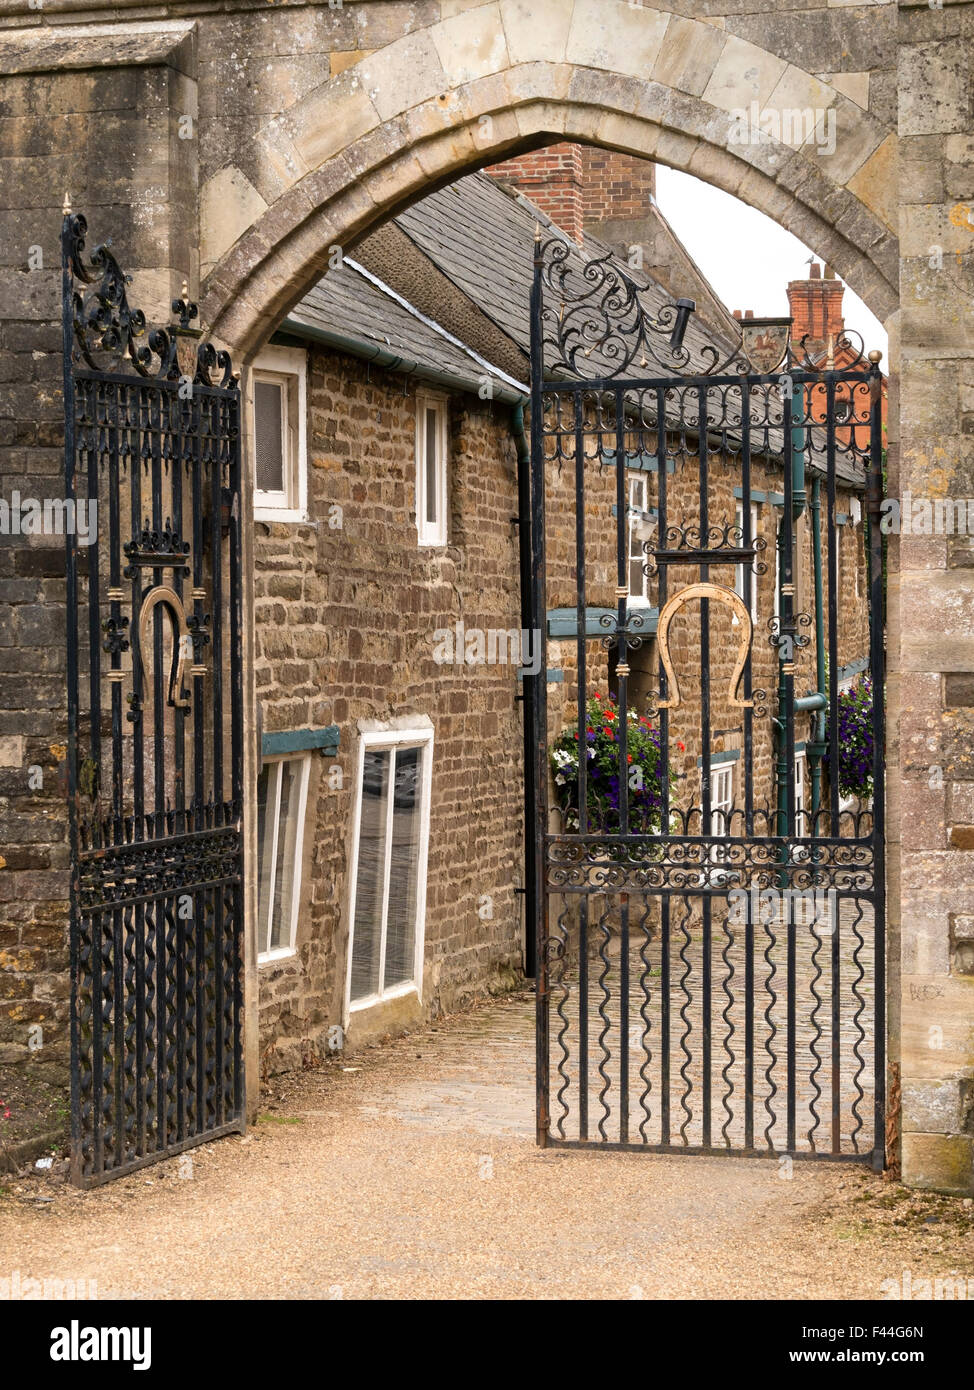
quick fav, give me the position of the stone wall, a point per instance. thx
(315, 123)
(107, 138)
(346, 618)
(931, 623)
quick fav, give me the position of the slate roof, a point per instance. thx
(352, 303)
(481, 237)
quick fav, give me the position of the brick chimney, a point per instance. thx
(815, 305)
(581, 186)
(552, 179)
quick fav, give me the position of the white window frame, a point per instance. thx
(418, 736)
(739, 569)
(802, 811)
(853, 545)
(641, 526)
(721, 774)
(778, 516)
(287, 367)
(432, 533)
(266, 952)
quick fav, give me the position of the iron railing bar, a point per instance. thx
(786, 720)
(540, 710)
(582, 676)
(705, 752)
(215, 961)
(877, 668)
(622, 685)
(236, 728)
(835, 825)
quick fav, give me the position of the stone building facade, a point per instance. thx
(237, 147)
(353, 614)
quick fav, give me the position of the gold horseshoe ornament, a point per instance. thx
(182, 657)
(669, 611)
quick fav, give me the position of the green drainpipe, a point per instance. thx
(816, 748)
(523, 448)
(798, 502)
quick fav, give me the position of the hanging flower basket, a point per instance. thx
(644, 763)
(855, 718)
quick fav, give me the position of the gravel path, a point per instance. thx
(410, 1172)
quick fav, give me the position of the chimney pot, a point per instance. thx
(815, 271)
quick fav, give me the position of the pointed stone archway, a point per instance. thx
(475, 87)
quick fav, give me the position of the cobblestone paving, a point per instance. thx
(832, 1035)
(410, 1171)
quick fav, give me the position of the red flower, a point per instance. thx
(596, 696)
(682, 746)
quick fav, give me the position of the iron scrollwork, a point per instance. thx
(110, 334)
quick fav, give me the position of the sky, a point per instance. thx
(746, 257)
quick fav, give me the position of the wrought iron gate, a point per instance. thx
(155, 709)
(709, 904)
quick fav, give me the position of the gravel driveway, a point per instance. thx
(410, 1172)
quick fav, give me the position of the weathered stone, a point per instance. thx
(931, 1106)
(536, 29)
(743, 73)
(687, 55)
(940, 1162)
(471, 44)
(611, 35)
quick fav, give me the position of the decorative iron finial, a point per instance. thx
(830, 354)
(875, 357)
(537, 233)
(66, 208)
(184, 292)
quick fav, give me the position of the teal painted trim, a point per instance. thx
(641, 462)
(855, 668)
(731, 756)
(553, 676)
(292, 330)
(651, 515)
(300, 741)
(777, 499)
(563, 622)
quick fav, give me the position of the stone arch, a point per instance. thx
(512, 74)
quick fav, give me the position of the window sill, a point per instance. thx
(276, 956)
(397, 992)
(292, 515)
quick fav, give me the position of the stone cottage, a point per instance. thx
(388, 416)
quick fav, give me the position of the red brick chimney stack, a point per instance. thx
(816, 306)
(579, 184)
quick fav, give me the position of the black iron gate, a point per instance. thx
(155, 709)
(708, 851)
